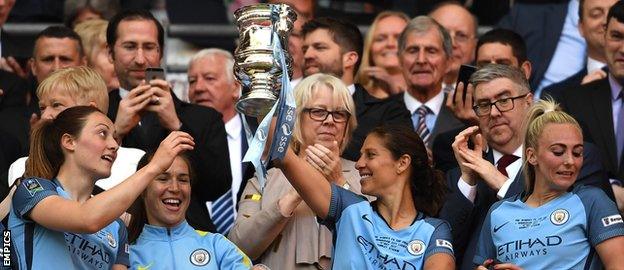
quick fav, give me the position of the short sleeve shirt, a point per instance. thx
(100, 250)
(561, 234)
(363, 240)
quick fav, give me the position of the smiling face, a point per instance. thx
(558, 156)
(167, 197)
(384, 47)
(423, 61)
(135, 49)
(593, 23)
(377, 167)
(327, 131)
(95, 148)
(100, 61)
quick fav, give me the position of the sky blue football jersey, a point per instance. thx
(100, 250)
(560, 234)
(363, 239)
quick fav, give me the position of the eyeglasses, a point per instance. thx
(503, 105)
(318, 114)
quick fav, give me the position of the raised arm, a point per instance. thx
(57, 213)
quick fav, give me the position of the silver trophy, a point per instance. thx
(256, 66)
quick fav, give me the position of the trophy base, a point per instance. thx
(256, 103)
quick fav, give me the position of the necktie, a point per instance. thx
(223, 213)
(619, 133)
(420, 123)
(504, 161)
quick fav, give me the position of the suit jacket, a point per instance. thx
(442, 150)
(590, 104)
(540, 25)
(372, 112)
(210, 158)
(445, 122)
(466, 218)
(556, 90)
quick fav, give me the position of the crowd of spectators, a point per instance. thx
(414, 122)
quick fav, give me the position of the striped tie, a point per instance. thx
(421, 125)
(223, 213)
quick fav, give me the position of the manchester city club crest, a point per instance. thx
(559, 216)
(111, 240)
(200, 257)
(416, 247)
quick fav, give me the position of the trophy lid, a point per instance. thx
(256, 14)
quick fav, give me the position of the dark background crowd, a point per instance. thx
(567, 50)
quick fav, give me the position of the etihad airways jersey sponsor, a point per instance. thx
(560, 234)
(363, 240)
(61, 250)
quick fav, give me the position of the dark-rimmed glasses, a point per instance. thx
(503, 105)
(318, 114)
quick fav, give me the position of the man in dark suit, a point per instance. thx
(502, 99)
(425, 54)
(592, 23)
(497, 46)
(212, 84)
(555, 48)
(145, 112)
(599, 108)
(334, 47)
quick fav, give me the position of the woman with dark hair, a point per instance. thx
(159, 235)
(552, 225)
(395, 230)
(56, 222)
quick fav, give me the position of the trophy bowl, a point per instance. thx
(256, 65)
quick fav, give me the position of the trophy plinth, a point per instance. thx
(256, 66)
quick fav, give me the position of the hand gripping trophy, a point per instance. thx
(263, 66)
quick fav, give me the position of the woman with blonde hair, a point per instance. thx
(274, 226)
(380, 71)
(93, 36)
(553, 224)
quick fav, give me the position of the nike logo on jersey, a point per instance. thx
(499, 227)
(365, 217)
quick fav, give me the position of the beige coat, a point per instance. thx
(280, 242)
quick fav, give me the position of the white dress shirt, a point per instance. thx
(233, 128)
(434, 104)
(593, 65)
